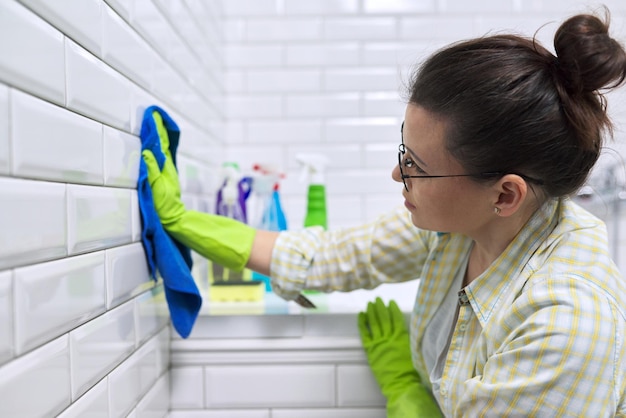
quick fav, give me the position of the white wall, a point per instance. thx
(83, 331)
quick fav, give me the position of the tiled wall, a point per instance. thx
(304, 366)
(83, 329)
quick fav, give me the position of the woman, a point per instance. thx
(520, 310)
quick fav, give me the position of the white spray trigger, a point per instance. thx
(230, 192)
(313, 167)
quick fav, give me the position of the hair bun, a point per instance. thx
(588, 58)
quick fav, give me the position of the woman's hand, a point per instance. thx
(386, 342)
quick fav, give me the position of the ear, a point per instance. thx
(512, 191)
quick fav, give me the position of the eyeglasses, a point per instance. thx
(402, 151)
(485, 175)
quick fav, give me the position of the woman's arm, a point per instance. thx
(261, 253)
(388, 249)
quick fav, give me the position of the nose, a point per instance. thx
(395, 174)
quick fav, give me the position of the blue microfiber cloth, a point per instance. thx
(165, 254)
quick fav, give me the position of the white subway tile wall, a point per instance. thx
(42, 374)
(97, 348)
(187, 388)
(94, 403)
(52, 298)
(54, 144)
(351, 395)
(84, 329)
(37, 57)
(297, 386)
(303, 375)
(7, 346)
(4, 130)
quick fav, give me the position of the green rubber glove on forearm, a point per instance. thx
(220, 239)
(386, 343)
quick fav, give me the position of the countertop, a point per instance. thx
(331, 303)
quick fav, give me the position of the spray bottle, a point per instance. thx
(263, 180)
(313, 170)
(267, 212)
(232, 195)
(228, 285)
(229, 203)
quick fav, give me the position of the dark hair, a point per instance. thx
(511, 106)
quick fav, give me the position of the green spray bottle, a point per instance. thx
(313, 171)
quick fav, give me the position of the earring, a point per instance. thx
(496, 210)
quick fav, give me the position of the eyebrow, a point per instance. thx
(413, 154)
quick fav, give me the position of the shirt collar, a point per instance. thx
(486, 291)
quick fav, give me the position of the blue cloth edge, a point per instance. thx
(163, 253)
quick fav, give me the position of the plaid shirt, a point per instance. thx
(540, 333)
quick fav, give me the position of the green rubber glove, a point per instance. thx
(220, 239)
(386, 342)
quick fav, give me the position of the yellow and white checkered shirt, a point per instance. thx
(540, 333)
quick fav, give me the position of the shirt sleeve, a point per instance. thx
(558, 352)
(389, 249)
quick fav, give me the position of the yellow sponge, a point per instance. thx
(237, 291)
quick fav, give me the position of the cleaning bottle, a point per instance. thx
(228, 285)
(229, 203)
(262, 185)
(231, 196)
(313, 170)
(267, 213)
(274, 217)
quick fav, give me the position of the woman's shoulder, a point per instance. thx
(574, 264)
(578, 246)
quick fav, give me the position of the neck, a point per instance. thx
(492, 240)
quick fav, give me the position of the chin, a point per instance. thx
(416, 221)
(424, 225)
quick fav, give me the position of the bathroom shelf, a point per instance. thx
(331, 303)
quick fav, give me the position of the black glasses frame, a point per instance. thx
(403, 176)
(485, 175)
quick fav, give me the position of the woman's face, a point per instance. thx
(444, 204)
